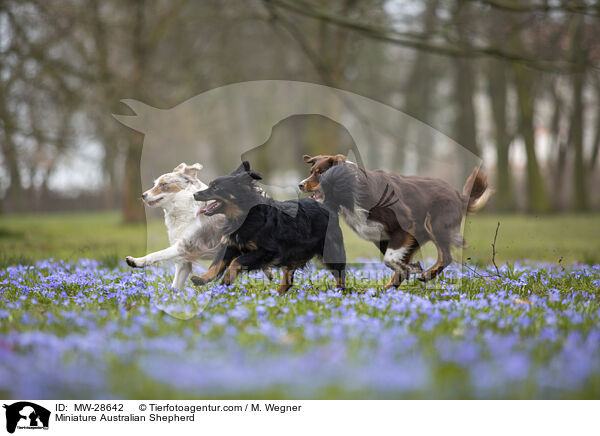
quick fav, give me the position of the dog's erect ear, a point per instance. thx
(308, 159)
(243, 168)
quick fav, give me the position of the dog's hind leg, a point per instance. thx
(286, 280)
(182, 270)
(442, 244)
(396, 280)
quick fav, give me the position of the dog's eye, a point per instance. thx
(162, 185)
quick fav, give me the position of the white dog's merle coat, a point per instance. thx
(192, 237)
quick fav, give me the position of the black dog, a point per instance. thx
(261, 232)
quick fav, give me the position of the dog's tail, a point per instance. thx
(476, 191)
(338, 186)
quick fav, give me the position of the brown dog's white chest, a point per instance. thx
(367, 229)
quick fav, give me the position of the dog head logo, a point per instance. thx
(272, 124)
(26, 415)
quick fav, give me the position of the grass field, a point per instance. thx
(73, 327)
(102, 236)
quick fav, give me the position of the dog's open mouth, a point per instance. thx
(154, 202)
(211, 207)
(317, 195)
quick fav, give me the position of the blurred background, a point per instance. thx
(514, 82)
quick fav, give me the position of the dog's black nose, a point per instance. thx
(144, 195)
(301, 186)
(197, 196)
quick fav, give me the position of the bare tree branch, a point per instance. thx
(520, 6)
(420, 41)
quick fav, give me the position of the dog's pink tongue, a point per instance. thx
(206, 207)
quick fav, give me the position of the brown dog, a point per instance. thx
(399, 213)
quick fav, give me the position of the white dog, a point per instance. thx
(192, 236)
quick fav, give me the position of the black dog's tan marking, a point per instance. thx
(213, 272)
(286, 280)
(398, 213)
(261, 232)
(232, 272)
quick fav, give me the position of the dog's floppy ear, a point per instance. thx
(248, 176)
(337, 159)
(191, 170)
(250, 171)
(254, 175)
(179, 167)
(308, 159)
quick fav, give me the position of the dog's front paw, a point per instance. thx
(198, 281)
(132, 262)
(415, 267)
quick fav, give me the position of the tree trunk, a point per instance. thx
(464, 92)
(14, 193)
(418, 96)
(498, 87)
(580, 202)
(465, 123)
(133, 209)
(596, 143)
(557, 149)
(580, 199)
(536, 190)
